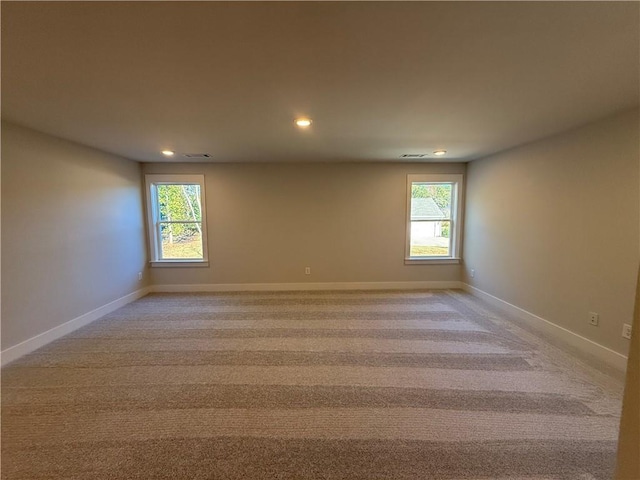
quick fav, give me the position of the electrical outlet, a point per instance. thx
(139, 276)
(307, 270)
(594, 318)
(473, 273)
(626, 331)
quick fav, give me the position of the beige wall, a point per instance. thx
(552, 227)
(266, 222)
(73, 231)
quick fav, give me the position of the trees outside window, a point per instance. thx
(433, 213)
(177, 230)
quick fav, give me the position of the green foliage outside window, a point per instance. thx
(441, 195)
(179, 203)
(440, 192)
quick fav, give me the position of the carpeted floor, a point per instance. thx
(306, 385)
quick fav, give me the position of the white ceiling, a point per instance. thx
(379, 79)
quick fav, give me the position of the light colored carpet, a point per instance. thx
(306, 385)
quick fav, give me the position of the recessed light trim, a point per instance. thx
(439, 153)
(303, 122)
(168, 153)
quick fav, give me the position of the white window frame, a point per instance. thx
(457, 182)
(153, 220)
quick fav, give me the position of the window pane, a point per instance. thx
(181, 240)
(179, 202)
(430, 239)
(431, 201)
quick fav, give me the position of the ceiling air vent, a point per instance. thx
(197, 155)
(414, 155)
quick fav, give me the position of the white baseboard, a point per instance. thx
(584, 345)
(12, 353)
(266, 287)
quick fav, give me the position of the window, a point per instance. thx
(177, 220)
(433, 218)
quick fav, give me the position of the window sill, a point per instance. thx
(180, 263)
(431, 261)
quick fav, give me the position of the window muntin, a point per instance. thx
(177, 228)
(433, 230)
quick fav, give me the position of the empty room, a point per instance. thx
(320, 240)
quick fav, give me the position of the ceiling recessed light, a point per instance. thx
(439, 153)
(303, 122)
(168, 153)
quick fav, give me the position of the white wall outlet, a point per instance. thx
(307, 270)
(593, 318)
(139, 276)
(473, 273)
(626, 331)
